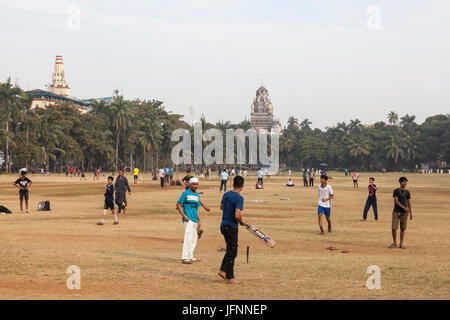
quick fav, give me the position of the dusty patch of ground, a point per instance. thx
(140, 258)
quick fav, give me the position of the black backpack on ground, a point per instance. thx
(44, 206)
(5, 210)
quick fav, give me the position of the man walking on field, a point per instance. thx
(121, 192)
(223, 180)
(325, 196)
(135, 175)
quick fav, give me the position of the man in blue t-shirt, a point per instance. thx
(109, 203)
(232, 205)
(187, 206)
(166, 175)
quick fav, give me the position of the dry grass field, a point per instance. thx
(141, 257)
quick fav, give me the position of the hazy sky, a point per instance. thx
(318, 58)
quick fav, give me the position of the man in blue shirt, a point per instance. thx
(187, 206)
(232, 205)
(109, 203)
(166, 174)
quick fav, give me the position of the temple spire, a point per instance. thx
(59, 85)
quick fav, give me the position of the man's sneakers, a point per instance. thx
(101, 223)
(186, 261)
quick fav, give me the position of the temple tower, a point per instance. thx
(58, 85)
(262, 111)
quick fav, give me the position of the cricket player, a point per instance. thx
(325, 196)
(232, 204)
(109, 203)
(187, 206)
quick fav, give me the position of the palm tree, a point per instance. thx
(393, 117)
(305, 124)
(29, 121)
(354, 125)
(407, 120)
(292, 122)
(120, 120)
(9, 94)
(395, 150)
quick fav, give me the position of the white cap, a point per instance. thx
(193, 180)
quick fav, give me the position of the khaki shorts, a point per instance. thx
(399, 217)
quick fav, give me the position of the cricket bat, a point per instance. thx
(262, 236)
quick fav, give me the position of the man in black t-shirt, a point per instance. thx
(187, 178)
(402, 207)
(23, 184)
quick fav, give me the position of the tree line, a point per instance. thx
(128, 133)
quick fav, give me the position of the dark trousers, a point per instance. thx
(311, 182)
(162, 182)
(231, 238)
(223, 184)
(305, 182)
(260, 180)
(371, 202)
(121, 201)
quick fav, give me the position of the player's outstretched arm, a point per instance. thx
(204, 206)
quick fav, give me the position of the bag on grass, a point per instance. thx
(5, 210)
(44, 205)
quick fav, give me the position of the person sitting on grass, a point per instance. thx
(290, 183)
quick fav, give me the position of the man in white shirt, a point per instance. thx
(325, 196)
(259, 174)
(223, 180)
(161, 176)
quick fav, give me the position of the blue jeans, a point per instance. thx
(371, 202)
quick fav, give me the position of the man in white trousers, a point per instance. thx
(187, 206)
